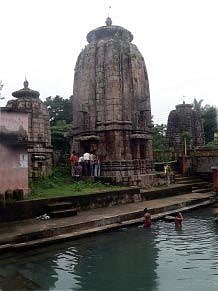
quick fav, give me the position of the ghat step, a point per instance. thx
(63, 213)
(59, 205)
(52, 232)
(61, 209)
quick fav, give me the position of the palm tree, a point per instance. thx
(186, 137)
(198, 105)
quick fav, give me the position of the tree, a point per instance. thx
(159, 136)
(210, 122)
(209, 116)
(186, 137)
(197, 105)
(59, 138)
(59, 109)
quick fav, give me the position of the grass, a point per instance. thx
(60, 183)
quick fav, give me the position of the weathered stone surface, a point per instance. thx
(39, 134)
(184, 119)
(111, 99)
(204, 159)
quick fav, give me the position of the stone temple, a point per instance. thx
(40, 152)
(184, 119)
(111, 104)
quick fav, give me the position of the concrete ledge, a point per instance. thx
(110, 220)
(26, 209)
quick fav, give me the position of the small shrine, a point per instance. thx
(40, 152)
(184, 123)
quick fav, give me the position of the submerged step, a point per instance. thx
(63, 213)
(201, 190)
(53, 231)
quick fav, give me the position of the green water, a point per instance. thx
(161, 258)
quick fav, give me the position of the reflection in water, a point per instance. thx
(127, 262)
(160, 258)
(34, 269)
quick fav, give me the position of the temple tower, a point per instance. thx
(40, 152)
(184, 120)
(111, 103)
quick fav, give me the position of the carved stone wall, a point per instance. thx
(111, 101)
(184, 119)
(204, 159)
(40, 152)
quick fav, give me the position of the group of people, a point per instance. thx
(148, 221)
(87, 164)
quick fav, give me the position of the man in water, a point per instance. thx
(178, 219)
(147, 216)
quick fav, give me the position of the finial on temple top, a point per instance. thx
(26, 83)
(108, 21)
(183, 97)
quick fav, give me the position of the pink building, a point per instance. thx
(13, 151)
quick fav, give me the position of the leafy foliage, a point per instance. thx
(197, 105)
(210, 122)
(159, 136)
(209, 115)
(60, 111)
(185, 135)
(210, 145)
(59, 137)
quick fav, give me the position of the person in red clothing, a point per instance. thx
(74, 161)
(147, 217)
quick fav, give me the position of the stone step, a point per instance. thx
(201, 184)
(187, 178)
(199, 190)
(198, 185)
(63, 213)
(190, 181)
(215, 205)
(59, 206)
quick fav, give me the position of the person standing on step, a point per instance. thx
(168, 171)
(92, 163)
(78, 172)
(86, 158)
(74, 160)
(97, 167)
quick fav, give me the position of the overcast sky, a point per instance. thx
(178, 39)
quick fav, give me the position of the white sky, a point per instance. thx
(178, 39)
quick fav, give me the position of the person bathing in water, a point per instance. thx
(147, 217)
(178, 219)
